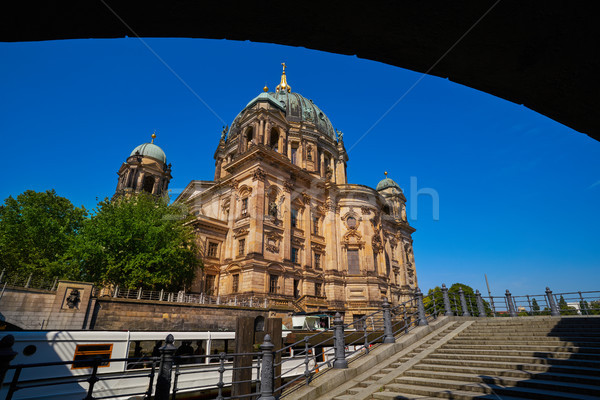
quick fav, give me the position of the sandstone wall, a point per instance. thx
(140, 315)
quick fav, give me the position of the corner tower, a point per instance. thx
(145, 170)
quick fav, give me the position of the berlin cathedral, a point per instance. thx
(279, 220)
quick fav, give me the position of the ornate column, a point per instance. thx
(329, 231)
(233, 215)
(287, 220)
(322, 164)
(258, 134)
(307, 259)
(256, 208)
(265, 132)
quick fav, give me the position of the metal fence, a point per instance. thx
(274, 373)
(241, 300)
(30, 281)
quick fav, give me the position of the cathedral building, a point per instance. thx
(280, 221)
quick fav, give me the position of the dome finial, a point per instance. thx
(283, 85)
(265, 89)
(153, 137)
(385, 173)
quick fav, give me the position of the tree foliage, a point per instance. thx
(136, 241)
(36, 229)
(434, 300)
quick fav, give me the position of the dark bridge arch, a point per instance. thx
(539, 54)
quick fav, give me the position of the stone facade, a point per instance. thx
(136, 315)
(69, 307)
(279, 219)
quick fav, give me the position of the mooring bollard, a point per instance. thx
(463, 303)
(480, 306)
(163, 382)
(388, 334)
(339, 343)
(421, 308)
(511, 306)
(554, 311)
(447, 307)
(266, 375)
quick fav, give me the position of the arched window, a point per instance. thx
(249, 136)
(274, 139)
(387, 264)
(148, 184)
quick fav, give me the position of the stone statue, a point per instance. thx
(273, 209)
(340, 135)
(224, 132)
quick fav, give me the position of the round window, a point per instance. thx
(351, 221)
(29, 350)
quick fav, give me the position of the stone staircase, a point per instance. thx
(493, 358)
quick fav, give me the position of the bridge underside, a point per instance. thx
(541, 55)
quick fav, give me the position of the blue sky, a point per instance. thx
(518, 192)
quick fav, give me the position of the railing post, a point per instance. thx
(463, 303)
(553, 308)
(388, 336)
(163, 382)
(7, 354)
(139, 295)
(479, 301)
(583, 305)
(92, 380)
(339, 343)
(447, 307)
(116, 293)
(421, 308)
(510, 304)
(28, 281)
(266, 375)
(2, 274)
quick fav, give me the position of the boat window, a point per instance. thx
(218, 346)
(85, 354)
(141, 352)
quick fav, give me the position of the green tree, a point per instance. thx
(564, 307)
(434, 300)
(535, 307)
(36, 229)
(136, 241)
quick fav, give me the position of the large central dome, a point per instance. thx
(296, 108)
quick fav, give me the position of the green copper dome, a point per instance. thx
(150, 150)
(296, 108)
(387, 183)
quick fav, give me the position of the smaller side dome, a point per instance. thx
(387, 183)
(150, 150)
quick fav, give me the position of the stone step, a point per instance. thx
(514, 336)
(526, 388)
(344, 397)
(528, 373)
(551, 348)
(525, 353)
(580, 370)
(507, 381)
(520, 359)
(456, 395)
(544, 341)
(405, 391)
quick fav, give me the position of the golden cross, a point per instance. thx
(283, 67)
